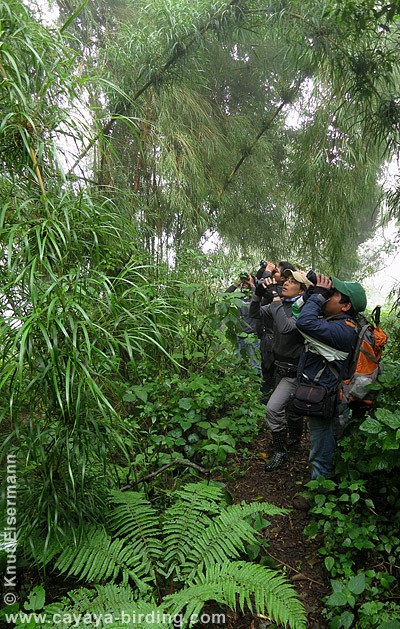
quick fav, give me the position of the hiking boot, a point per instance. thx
(280, 451)
(295, 432)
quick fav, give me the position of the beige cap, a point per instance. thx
(299, 276)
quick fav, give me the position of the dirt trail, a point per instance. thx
(289, 547)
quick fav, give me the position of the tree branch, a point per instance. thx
(216, 354)
(179, 51)
(251, 147)
(203, 470)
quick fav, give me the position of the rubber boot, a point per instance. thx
(295, 431)
(280, 451)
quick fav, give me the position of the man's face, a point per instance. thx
(278, 277)
(291, 288)
(333, 306)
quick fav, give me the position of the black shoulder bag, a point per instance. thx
(312, 399)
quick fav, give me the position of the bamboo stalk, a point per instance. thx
(37, 171)
(143, 140)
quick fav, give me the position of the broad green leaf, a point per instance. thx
(186, 403)
(347, 619)
(36, 598)
(371, 425)
(329, 563)
(356, 584)
(337, 599)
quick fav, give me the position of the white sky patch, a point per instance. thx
(387, 277)
(47, 12)
(295, 117)
(210, 241)
(379, 285)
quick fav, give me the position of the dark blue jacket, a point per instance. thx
(338, 332)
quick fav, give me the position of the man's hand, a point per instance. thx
(323, 286)
(323, 281)
(270, 267)
(266, 282)
(250, 281)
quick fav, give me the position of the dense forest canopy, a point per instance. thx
(176, 112)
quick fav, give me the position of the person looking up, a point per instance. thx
(330, 339)
(265, 333)
(287, 346)
(247, 324)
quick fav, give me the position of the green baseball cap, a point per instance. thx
(354, 291)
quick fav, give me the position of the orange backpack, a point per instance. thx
(364, 367)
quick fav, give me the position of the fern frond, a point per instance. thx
(238, 582)
(209, 494)
(186, 519)
(97, 601)
(110, 606)
(98, 557)
(135, 519)
(192, 600)
(223, 538)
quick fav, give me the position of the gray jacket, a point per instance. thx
(288, 342)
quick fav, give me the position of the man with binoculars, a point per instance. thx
(264, 326)
(248, 325)
(327, 321)
(286, 347)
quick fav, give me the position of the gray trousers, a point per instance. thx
(275, 413)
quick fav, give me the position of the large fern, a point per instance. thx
(223, 538)
(185, 521)
(240, 581)
(194, 549)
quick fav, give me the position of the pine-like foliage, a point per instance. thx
(195, 548)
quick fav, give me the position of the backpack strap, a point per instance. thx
(369, 355)
(347, 360)
(338, 374)
(376, 315)
(357, 347)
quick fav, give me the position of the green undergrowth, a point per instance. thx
(356, 516)
(202, 417)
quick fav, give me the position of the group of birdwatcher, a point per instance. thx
(306, 327)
